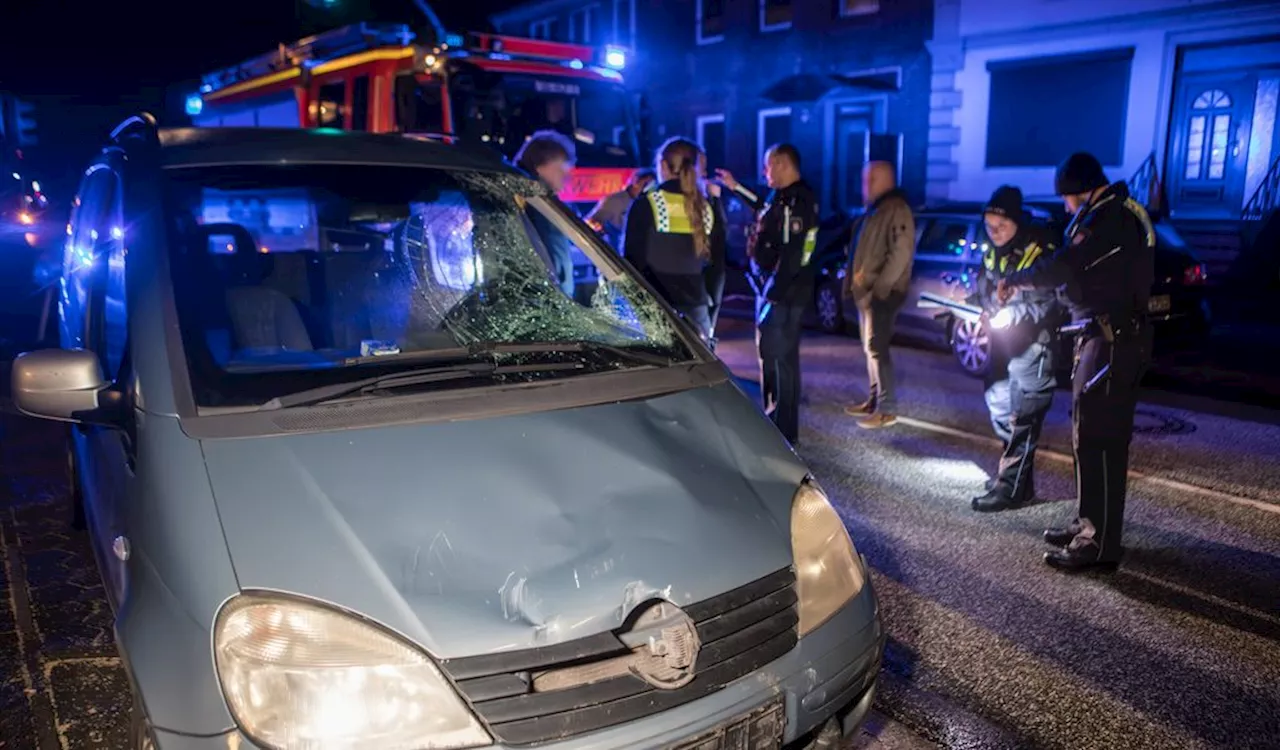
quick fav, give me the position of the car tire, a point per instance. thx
(971, 346)
(828, 308)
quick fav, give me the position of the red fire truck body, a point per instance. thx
(489, 88)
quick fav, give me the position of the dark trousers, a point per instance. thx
(875, 325)
(1019, 394)
(778, 340)
(698, 316)
(1104, 395)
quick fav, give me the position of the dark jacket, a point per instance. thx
(1035, 311)
(783, 242)
(1106, 265)
(884, 250)
(658, 242)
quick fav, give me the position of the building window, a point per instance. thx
(624, 23)
(711, 137)
(772, 126)
(1210, 125)
(710, 20)
(775, 15)
(544, 29)
(1088, 95)
(582, 24)
(848, 8)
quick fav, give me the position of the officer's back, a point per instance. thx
(1114, 244)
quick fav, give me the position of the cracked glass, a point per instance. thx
(291, 277)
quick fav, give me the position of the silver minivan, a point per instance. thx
(358, 474)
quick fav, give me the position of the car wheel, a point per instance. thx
(828, 308)
(971, 346)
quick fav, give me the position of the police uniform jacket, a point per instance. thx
(1034, 311)
(783, 241)
(658, 241)
(1106, 265)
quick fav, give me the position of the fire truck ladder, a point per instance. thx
(345, 40)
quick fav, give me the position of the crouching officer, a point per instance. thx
(1021, 379)
(780, 248)
(1106, 268)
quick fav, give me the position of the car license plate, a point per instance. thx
(759, 730)
(1158, 303)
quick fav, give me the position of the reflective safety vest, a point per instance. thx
(669, 216)
(1029, 256)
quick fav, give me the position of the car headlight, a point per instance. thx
(299, 675)
(828, 570)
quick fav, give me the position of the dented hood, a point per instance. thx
(517, 531)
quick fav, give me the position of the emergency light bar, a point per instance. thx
(612, 56)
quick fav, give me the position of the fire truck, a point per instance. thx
(484, 88)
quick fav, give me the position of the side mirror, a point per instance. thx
(66, 385)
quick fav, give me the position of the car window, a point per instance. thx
(95, 268)
(944, 239)
(289, 277)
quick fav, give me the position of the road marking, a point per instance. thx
(1171, 484)
(1205, 596)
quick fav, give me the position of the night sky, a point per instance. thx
(87, 64)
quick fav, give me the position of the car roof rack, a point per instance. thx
(345, 40)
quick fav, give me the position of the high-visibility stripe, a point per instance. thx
(1141, 213)
(670, 217)
(810, 244)
(1029, 257)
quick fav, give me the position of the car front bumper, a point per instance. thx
(831, 673)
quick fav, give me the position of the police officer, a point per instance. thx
(675, 235)
(1105, 269)
(780, 247)
(1020, 382)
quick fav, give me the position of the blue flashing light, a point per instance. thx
(195, 104)
(615, 57)
(575, 64)
(206, 88)
(454, 40)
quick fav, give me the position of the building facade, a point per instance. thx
(1189, 87)
(847, 81)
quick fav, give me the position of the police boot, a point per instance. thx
(995, 499)
(1078, 556)
(1061, 536)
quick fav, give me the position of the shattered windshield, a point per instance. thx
(291, 277)
(503, 109)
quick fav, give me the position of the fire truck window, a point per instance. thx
(329, 105)
(360, 103)
(419, 107)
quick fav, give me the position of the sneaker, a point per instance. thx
(876, 421)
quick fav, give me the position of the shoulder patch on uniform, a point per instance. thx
(797, 226)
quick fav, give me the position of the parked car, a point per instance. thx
(358, 474)
(949, 246)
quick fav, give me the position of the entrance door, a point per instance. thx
(1210, 144)
(853, 126)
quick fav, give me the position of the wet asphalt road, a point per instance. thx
(988, 648)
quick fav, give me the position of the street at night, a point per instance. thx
(988, 648)
(515, 374)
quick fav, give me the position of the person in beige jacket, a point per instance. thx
(876, 283)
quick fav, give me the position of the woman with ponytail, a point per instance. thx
(675, 235)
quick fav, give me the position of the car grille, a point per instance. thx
(525, 698)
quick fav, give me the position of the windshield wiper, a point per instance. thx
(636, 356)
(409, 378)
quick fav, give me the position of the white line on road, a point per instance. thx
(1171, 484)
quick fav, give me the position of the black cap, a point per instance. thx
(1006, 201)
(1080, 173)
